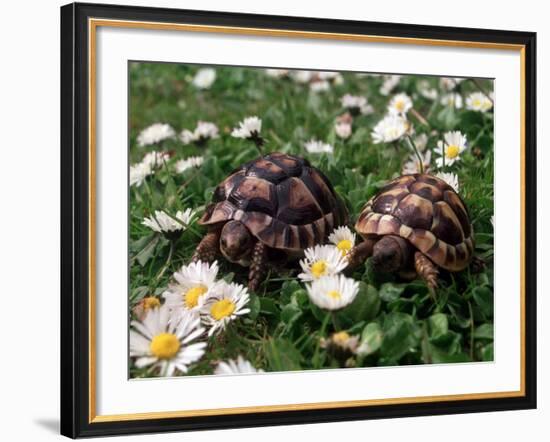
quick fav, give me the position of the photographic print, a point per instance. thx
(286, 220)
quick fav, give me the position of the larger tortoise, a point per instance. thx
(274, 206)
(415, 223)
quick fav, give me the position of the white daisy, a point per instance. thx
(426, 90)
(478, 101)
(238, 366)
(155, 134)
(400, 104)
(188, 163)
(223, 304)
(191, 286)
(455, 143)
(277, 73)
(138, 173)
(449, 83)
(145, 304)
(203, 132)
(321, 260)
(343, 130)
(413, 165)
(452, 100)
(166, 341)
(390, 128)
(341, 342)
(450, 178)
(315, 146)
(332, 292)
(390, 82)
(356, 104)
(204, 78)
(301, 76)
(250, 127)
(162, 222)
(343, 238)
(155, 159)
(319, 86)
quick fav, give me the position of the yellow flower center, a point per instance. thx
(344, 246)
(452, 151)
(340, 338)
(476, 103)
(319, 268)
(334, 294)
(150, 302)
(400, 105)
(221, 309)
(191, 296)
(165, 345)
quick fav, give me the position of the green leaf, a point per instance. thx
(147, 251)
(268, 306)
(290, 314)
(399, 336)
(371, 338)
(254, 305)
(484, 331)
(439, 325)
(282, 355)
(390, 292)
(483, 297)
(365, 306)
(487, 352)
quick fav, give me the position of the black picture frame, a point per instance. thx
(75, 194)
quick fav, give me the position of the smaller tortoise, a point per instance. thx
(415, 224)
(271, 208)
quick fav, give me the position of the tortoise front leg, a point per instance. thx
(208, 248)
(258, 266)
(427, 270)
(360, 253)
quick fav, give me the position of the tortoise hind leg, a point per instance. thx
(427, 270)
(258, 266)
(360, 253)
(208, 248)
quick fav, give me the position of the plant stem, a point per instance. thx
(335, 322)
(419, 117)
(413, 147)
(321, 333)
(471, 330)
(167, 263)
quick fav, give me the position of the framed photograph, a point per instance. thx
(277, 220)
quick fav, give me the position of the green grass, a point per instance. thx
(400, 321)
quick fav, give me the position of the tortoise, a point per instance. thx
(415, 225)
(269, 209)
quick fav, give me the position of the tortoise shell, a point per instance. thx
(426, 211)
(284, 201)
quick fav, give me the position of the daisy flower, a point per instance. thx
(277, 73)
(319, 86)
(237, 366)
(390, 82)
(390, 128)
(455, 143)
(343, 238)
(166, 342)
(192, 283)
(164, 223)
(452, 100)
(188, 163)
(224, 303)
(449, 83)
(315, 146)
(343, 130)
(321, 260)
(145, 305)
(202, 133)
(138, 173)
(451, 179)
(356, 104)
(332, 292)
(341, 344)
(204, 78)
(155, 159)
(478, 101)
(400, 104)
(155, 134)
(301, 76)
(426, 90)
(250, 127)
(413, 165)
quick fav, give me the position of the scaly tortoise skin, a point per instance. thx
(427, 220)
(276, 203)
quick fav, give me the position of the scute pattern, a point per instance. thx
(426, 211)
(284, 201)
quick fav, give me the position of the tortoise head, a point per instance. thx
(390, 254)
(236, 242)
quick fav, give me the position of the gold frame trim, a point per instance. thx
(93, 24)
